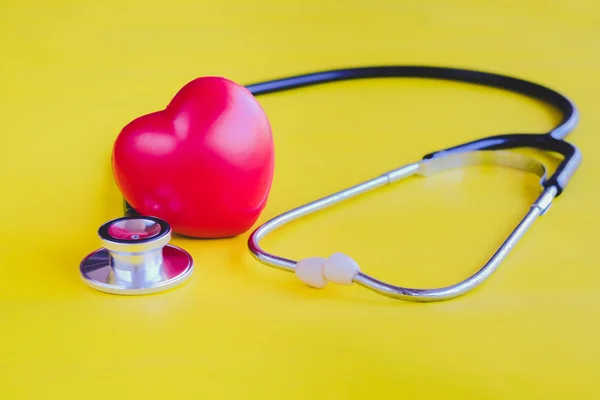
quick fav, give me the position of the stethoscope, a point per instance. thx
(136, 257)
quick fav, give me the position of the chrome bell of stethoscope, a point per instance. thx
(136, 258)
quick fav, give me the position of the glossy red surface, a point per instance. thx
(204, 163)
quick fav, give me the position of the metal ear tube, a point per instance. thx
(136, 258)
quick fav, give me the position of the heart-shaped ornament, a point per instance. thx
(204, 164)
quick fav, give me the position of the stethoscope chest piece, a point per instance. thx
(136, 258)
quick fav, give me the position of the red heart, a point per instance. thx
(204, 164)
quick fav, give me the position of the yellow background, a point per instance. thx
(73, 73)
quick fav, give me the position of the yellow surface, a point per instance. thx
(73, 73)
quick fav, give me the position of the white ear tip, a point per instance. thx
(340, 268)
(310, 271)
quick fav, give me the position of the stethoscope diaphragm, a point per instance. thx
(136, 258)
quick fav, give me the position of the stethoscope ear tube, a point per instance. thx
(339, 268)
